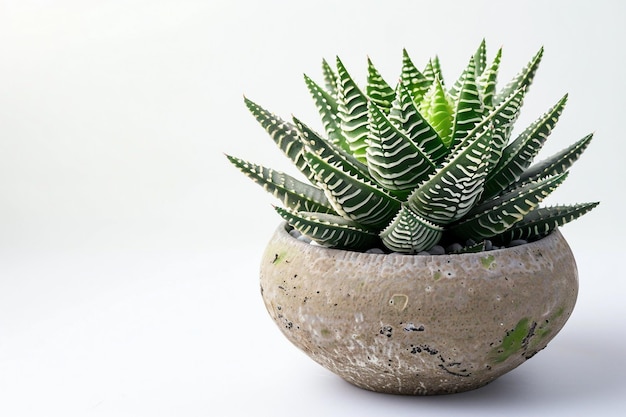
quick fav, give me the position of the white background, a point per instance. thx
(129, 248)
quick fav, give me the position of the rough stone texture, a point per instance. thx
(419, 325)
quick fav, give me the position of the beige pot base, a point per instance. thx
(419, 325)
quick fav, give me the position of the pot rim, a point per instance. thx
(548, 240)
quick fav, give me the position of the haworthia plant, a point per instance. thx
(410, 166)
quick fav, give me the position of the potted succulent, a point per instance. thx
(417, 259)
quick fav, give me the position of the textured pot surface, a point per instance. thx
(412, 324)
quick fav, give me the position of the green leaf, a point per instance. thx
(496, 216)
(438, 111)
(522, 80)
(354, 198)
(328, 151)
(452, 191)
(284, 135)
(558, 163)
(480, 58)
(541, 221)
(412, 79)
(377, 88)
(291, 192)
(433, 71)
(408, 119)
(519, 154)
(469, 111)
(329, 230)
(409, 233)
(328, 109)
(352, 113)
(488, 79)
(394, 161)
(330, 79)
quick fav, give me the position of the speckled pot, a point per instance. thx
(419, 325)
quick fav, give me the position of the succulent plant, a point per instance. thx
(419, 164)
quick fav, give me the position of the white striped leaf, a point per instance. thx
(480, 58)
(469, 110)
(496, 216)
(487, 81)
(329, 230)
(453, 190)
(354, 198)
(412, 79)
(432, 71)
(518, 155)
(330, 79)
(394, 161)
(409, 233)
(377, 88)
(293, 193)
(352, 112)
(328, 109)
(328, 151)
(544, 220)
(523, 79)
(284, 135)
(408, 119)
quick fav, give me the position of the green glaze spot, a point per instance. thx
(514, 341)
(325, 332)
(487, 261)
(437, 275)
(278, 258)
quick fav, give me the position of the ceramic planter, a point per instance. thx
(420, 325)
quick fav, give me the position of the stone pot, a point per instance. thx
(414, 324)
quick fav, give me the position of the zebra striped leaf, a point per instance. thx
(487, 81)
(523, 79)
(480, 58)
(558, 163)
(412, 79)
(498, 215)
(409, 233)
(518, 155)
(433, 71)
(330, 79)
(284, 135)
(327, 107)
(352, 113)
(354, 198)
(541, 221)
(452, 191)
(394, 161)
(469, 110)
(328, 151)
(407, 118)
(291, 192)
(329, 230)
(377, 88)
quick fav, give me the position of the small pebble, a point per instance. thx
(423, 253)
(455, 247)
(294, 233)
(375, 250)
(304, 239)
(488, 245)
(437, 250)
(517, 242)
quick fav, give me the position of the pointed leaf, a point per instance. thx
(480, 58)
(407, 118)
(469, 111)
(519, 154)
(284, 135)
(496, 216)
(352, 113)
(433, 71)
(541, 221)
(394, 161)
(453, 190)
(487, 81)
(522, 80)
(291, 192)
(330, 79)
(438, 111)
(412, 79)
(354, 198)
(409, 233)
(558, 163)
(329, 230)
(377, 88)
(328, 110)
